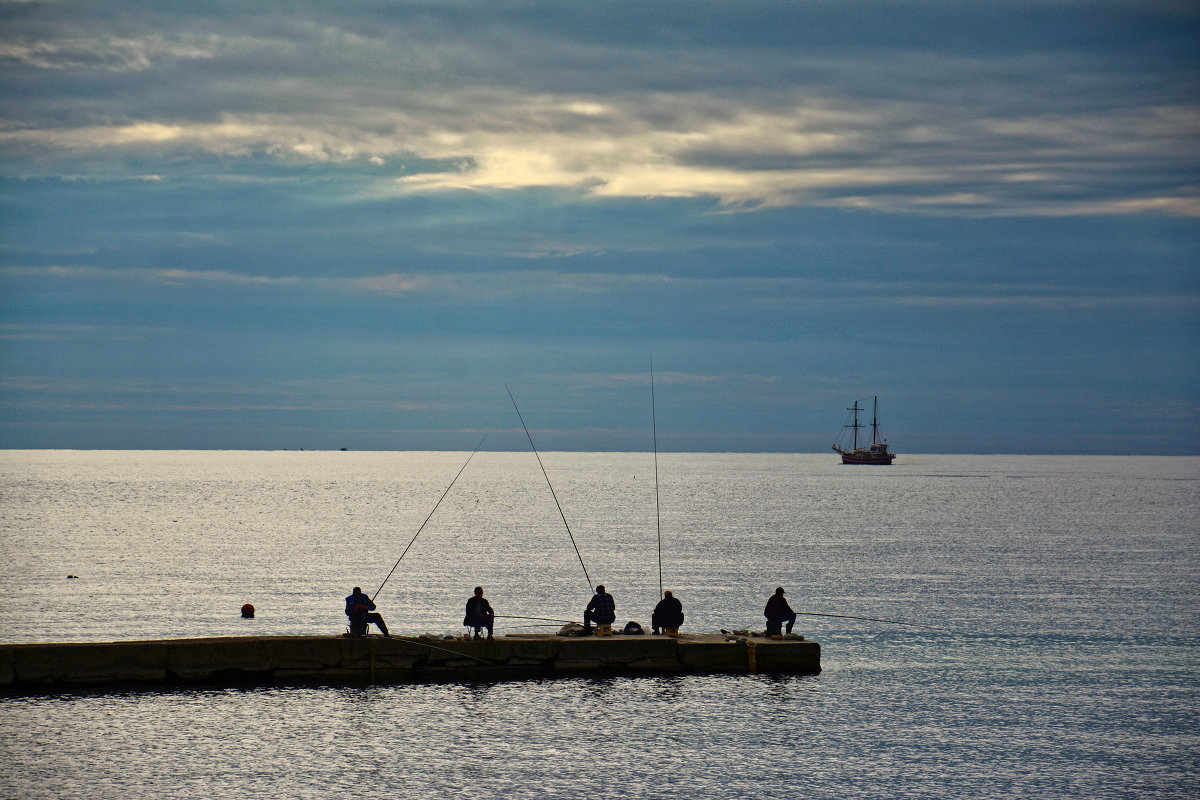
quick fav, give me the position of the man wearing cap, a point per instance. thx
(360, 609)
(778, 612)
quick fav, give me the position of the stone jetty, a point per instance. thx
(343, 660)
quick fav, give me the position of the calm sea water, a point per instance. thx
(1051, 652)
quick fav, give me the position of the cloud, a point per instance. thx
(164, 277)
(491, 287)
(963, 204)
(110, 52)
(1057, 302)
(313, 207)
(808, 153)
(518, 286)
(743, 105)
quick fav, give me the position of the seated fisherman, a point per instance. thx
(602, 610)
(778, 612)
(668, 613)
(360, 609)
(479, 613)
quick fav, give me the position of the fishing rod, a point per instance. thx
(454, 652)
(870, 619)
(435, 508)
(552, 494)
(543, 619)
(657, 505)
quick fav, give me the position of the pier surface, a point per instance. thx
(341, 660)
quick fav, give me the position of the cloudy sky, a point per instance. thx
(285, 225)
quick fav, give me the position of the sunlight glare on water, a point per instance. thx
(1050, 650)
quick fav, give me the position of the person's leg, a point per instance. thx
(378, 620)
(791, 620)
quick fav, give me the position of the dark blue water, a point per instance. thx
(1051, 651)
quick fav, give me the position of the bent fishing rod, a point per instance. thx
(426, 522)
(552, 493)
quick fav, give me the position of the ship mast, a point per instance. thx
(875, 421)
(855, 426)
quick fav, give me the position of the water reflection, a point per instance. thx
(1078, 675)
(669, 688)
(600, 689)
(786, 689)
(472, 697)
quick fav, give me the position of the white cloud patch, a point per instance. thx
(803, 154)
(937, 132)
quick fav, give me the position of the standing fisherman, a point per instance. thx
(360, 609)
(479, 613)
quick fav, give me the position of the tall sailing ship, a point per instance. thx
(877, 453)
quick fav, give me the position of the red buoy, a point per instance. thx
(248, 611)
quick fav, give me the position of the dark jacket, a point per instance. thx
(478, 610)
(668, 613)
(777, 608)
(357, 607)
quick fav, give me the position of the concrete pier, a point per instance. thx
(341, 660)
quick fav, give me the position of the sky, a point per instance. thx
(230, 225)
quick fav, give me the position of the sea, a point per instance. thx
(1034, 622)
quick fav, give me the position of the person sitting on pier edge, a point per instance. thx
(479, 613)
(668, 613)
(778, 612)
(360, 609)
(602, 610)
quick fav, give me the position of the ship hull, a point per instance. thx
(866, 457)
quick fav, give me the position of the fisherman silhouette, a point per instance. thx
(778, 612)
(668, 613)
(360, 608)
(479, 613)
(602, 610)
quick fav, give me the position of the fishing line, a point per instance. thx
(454, 652)
(543, 619)
(870, 619)
(435, 508)
(552, 494)
(657, 505)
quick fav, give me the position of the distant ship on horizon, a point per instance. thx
(877, 453)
